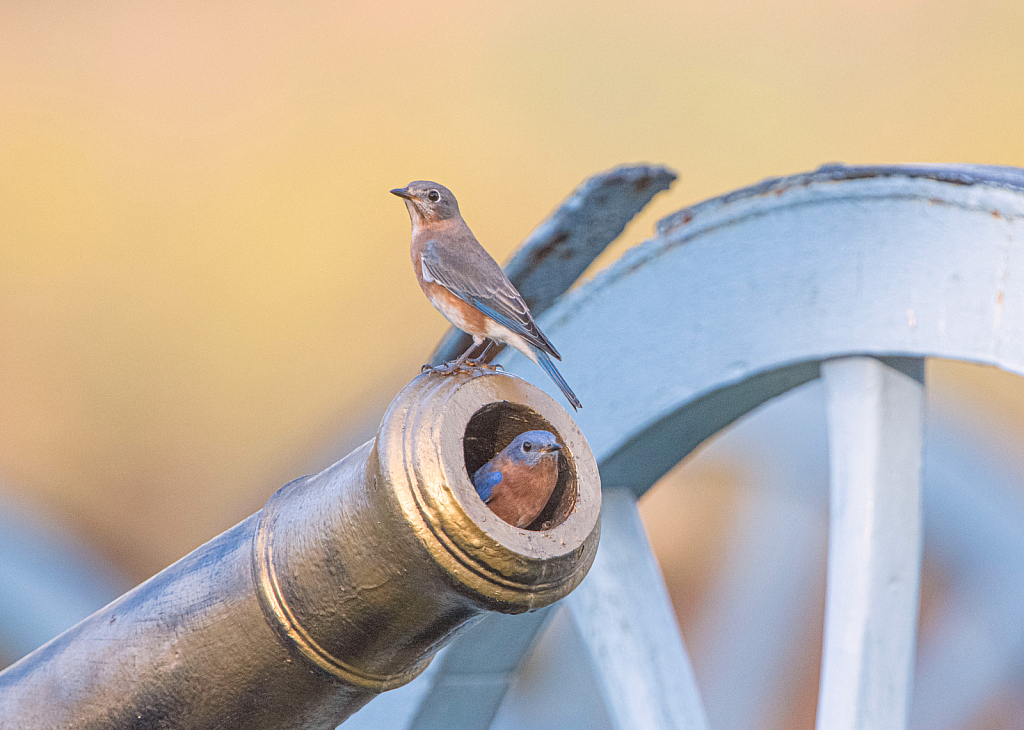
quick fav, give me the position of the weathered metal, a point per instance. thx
(345, 585)
(552, 258)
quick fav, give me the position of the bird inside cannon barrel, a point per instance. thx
(467, 286)
(518, 482)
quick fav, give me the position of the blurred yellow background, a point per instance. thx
(205, 286)
(203, 280)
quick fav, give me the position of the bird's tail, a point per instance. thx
(549, 367)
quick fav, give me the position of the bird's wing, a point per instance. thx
(468, 271)
(485, 482)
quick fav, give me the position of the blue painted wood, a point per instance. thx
(874, 560)
(628, 626)
(759, 608)
(692, 329)
(474, 674)
(553, 689)
(743, 299)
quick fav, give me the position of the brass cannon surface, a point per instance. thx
(344, 585)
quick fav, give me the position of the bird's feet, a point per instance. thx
(447, 368)
(484, 367)
(479, 368)
(453, 366)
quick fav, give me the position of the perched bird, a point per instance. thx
(517, 483)
(468, 286)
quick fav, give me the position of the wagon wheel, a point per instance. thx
(848, 274)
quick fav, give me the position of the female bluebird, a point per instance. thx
(518, 482)
(466, 285)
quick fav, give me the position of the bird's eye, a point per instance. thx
(527, 446)
(433, 196)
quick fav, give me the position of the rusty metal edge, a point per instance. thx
(1011, 178)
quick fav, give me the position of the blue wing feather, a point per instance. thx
(473, 276)
(534, 337)
(485, 482)
(552, 371)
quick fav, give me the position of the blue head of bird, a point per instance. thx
(532, 447)
(519, 481)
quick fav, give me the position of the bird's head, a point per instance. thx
(534, 447)
(428, 202)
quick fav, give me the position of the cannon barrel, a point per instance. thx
(344, 585)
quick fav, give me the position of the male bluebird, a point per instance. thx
(466, 285)
(517, 483)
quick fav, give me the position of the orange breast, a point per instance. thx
(523, 491)
(456, 311)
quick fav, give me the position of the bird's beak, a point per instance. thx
(402, 193)
(551, 448)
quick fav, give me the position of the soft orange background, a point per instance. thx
(205, 288)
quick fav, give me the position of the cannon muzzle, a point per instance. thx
(344, 585)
